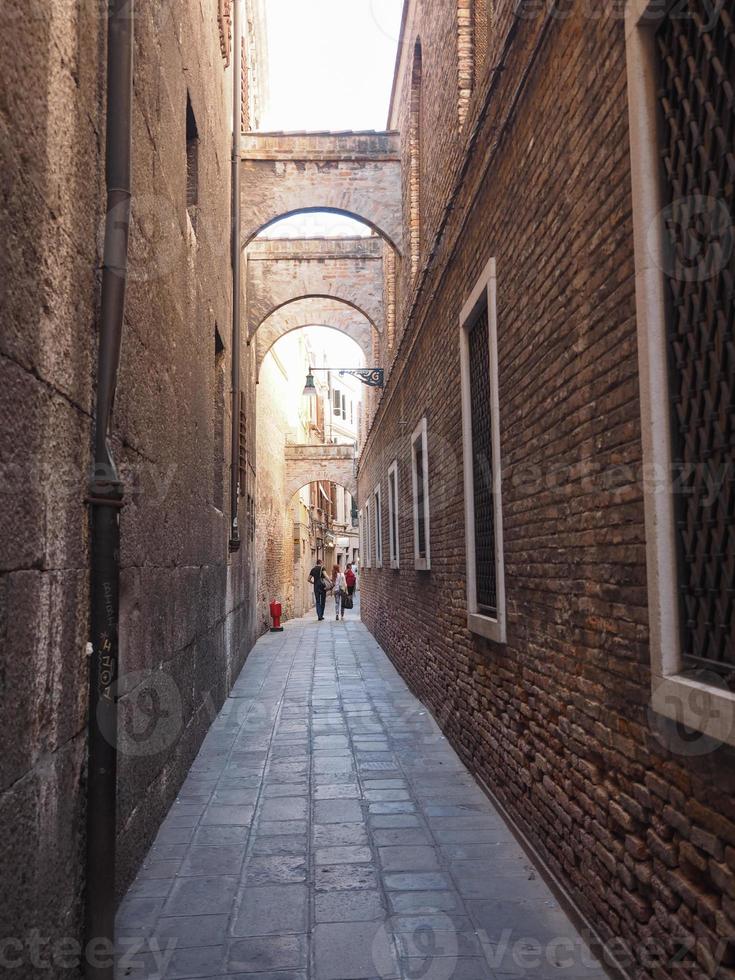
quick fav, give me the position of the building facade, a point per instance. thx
(186, 601)
(562, 567)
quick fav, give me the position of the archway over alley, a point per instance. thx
(307, 464)
(313, 311)
(355, 174)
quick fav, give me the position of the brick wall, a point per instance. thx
(279, 272)
(637, 825)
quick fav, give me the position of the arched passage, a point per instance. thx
(280, 271)
(355, 174)
(313, 311)
(307, 464)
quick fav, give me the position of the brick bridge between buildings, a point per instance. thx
(354, 174)
(320, 463)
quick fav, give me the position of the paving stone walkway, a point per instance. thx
(327, 830)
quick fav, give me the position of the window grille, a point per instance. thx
(393, 513)
(482, 455)
(420, 490)
(695, 47)
(378, 528)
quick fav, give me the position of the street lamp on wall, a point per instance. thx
(372, 377)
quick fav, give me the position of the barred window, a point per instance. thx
(393, 515)
(680, 66)
(365, 552)
(481, 448)
(482, 464)
(420, 468)
(378, 528)
(696, 66)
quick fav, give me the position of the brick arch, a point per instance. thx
(326, 463)
(313, 311)
(281, 271)
(354, 174)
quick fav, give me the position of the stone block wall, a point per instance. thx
(274, 521)
(636, 822)
(186, 622)
(51, 204)
(186, 618)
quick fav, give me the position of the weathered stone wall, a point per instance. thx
(185, 606)
(274, 521)
(51, 205)
(636, 822)
(185, 619)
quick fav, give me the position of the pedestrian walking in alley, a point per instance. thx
(339, 584)
(351, 579)
(320, 579)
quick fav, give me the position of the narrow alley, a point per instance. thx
(328, 831)
(425, 310)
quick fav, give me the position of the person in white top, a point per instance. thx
(339, 583)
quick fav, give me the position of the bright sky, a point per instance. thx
(342, 350)
(331, 63)
(319, 224)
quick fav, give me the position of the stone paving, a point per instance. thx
(327, 830)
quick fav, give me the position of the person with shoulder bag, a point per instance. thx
(318, 578)
(339, 584)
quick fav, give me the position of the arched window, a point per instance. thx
(414, 144)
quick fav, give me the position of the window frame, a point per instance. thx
(421, 563)
(484, 292)
(366, 552)
(394, 544)
(697, 705)
(378, 526)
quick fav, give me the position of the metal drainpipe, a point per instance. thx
(105, 500)
(236, 263)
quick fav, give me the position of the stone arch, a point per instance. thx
(355, 174)
(281, 271)
(327, 463)
(313, 311)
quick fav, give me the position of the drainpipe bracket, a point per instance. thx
(105, 493)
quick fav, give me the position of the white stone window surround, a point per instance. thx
(378, 527)
(696, 705)
(422, 563)
(484, 292)
(393, 511)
